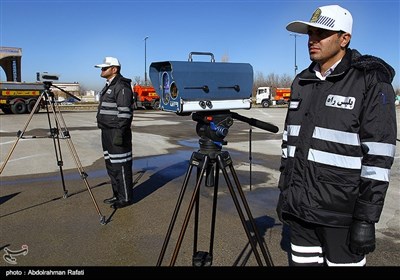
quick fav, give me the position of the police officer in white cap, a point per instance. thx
(338, 146)
(114, 118)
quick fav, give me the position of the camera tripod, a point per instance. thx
(210, 160)
(57, 131)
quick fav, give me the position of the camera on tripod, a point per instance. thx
(208, 91)
(46, 77)
(187, 86)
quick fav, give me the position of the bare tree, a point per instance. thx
(272, 80)
(285, 81)
(138, 80)
(225, 58)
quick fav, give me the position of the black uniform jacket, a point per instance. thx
(339, 143)
(116, 104)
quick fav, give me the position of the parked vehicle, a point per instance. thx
(145, 97)
(17, 97)
(267, 96)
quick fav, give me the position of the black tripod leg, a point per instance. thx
(203, 165)
(175, 214)
(201, 258)
(227, 161)
(196, 191)
(214, 210)
(265, 252)
(196, 215)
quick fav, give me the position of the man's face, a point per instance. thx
(324, 45)
(108, 72)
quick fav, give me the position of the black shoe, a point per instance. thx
(120, 204)
(110, 200)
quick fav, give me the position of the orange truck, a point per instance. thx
(282, 94)
(145, 97)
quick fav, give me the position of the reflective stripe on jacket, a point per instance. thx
(116, 104)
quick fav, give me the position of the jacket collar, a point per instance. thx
(353, 59)
(340, 69)
(115, 79)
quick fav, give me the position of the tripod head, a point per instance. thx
(213, 126)
(47, 87)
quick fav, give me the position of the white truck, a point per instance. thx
(267, 96)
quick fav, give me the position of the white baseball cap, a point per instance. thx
(108, 61)
(332, 17)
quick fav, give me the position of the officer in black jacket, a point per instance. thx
(338, 146)
(114, 117)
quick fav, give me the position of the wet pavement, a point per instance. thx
(49, 229)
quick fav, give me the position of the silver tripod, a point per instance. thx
(58, 131)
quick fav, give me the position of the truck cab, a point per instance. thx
(145, 97)
(264, 96)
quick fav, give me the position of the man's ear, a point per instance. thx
(346, 37)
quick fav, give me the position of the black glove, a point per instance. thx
(362, 237)
(118, 138)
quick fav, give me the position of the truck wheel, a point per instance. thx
(156, 105)
(265, 103)
(19, 107)
(31, 104)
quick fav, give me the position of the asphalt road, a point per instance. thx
(66, 230)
